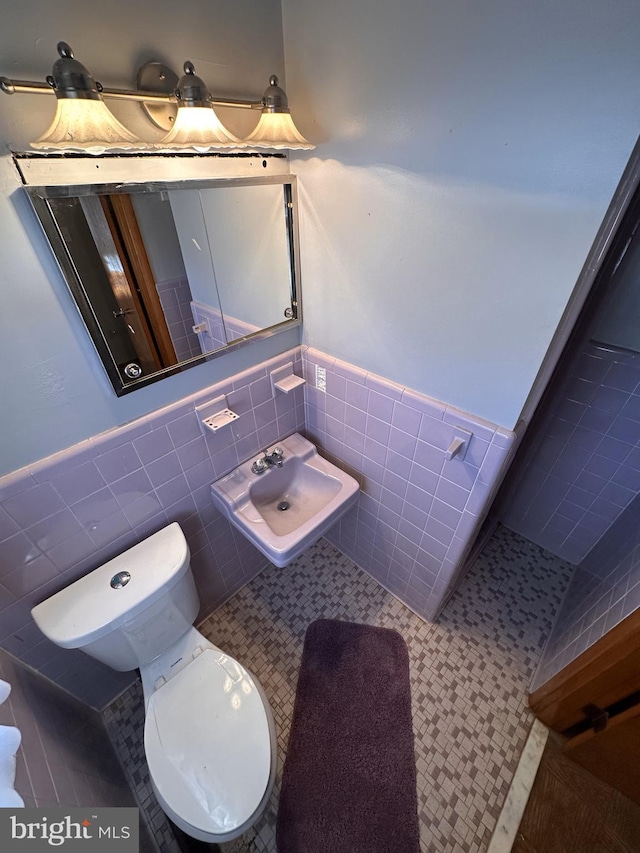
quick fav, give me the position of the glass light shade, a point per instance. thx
(277, 130)
(201, 129)
(86, 126)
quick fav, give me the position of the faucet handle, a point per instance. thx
(278, 452)
(259, 466)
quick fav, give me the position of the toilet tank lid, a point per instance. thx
(90, 608)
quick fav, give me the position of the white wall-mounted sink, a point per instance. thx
(284, 510)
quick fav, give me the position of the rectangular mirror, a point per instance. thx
(169, 274)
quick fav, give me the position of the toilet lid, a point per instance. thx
(207, 743)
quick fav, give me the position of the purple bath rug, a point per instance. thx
(349, 780)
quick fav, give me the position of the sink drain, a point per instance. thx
(283, 506)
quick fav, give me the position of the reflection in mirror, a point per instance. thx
(167, 275)
(177, 246)
(251, 255)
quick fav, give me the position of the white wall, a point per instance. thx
(467, 152)
(233, 241)
(54, 390)
(247, 234)
(186, 209)
(158, 229)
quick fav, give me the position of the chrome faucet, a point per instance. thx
(275, 457)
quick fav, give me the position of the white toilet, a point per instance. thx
(209, 735)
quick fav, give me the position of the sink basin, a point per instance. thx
(284, 510)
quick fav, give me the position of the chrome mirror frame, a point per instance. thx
(40, 197)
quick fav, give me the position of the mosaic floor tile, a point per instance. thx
(470, 676)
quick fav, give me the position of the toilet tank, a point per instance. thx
(130, 610)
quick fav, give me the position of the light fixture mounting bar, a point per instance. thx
(135, 95)
(237, 103)
(13, 87)
(33, 87)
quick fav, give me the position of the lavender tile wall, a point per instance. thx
(219, 330)
(175, 298)
(238, 328)
(66, 757)
(66, 515)
(418, 513)
(213, 336)
(604, 590)
(416, 517)
(586, 468)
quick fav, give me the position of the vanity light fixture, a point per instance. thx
(196, 124)
(83, 122)
(184, 108)
(276, 128)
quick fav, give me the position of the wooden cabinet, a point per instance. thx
(595, 703)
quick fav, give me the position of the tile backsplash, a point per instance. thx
(604, 590)
(65, 515)
(175, 298)
(418, 511)
(412, 527)
(586, 467)
(218, 330)
(66, 757)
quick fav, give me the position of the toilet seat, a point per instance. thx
(208, 746)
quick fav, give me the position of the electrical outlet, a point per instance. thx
(321, 378)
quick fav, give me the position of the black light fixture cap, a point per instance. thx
(192, 90)
(71, 79)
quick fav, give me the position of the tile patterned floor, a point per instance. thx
(470, 673)
(124, 719)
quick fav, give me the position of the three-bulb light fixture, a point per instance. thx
(184, 107)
